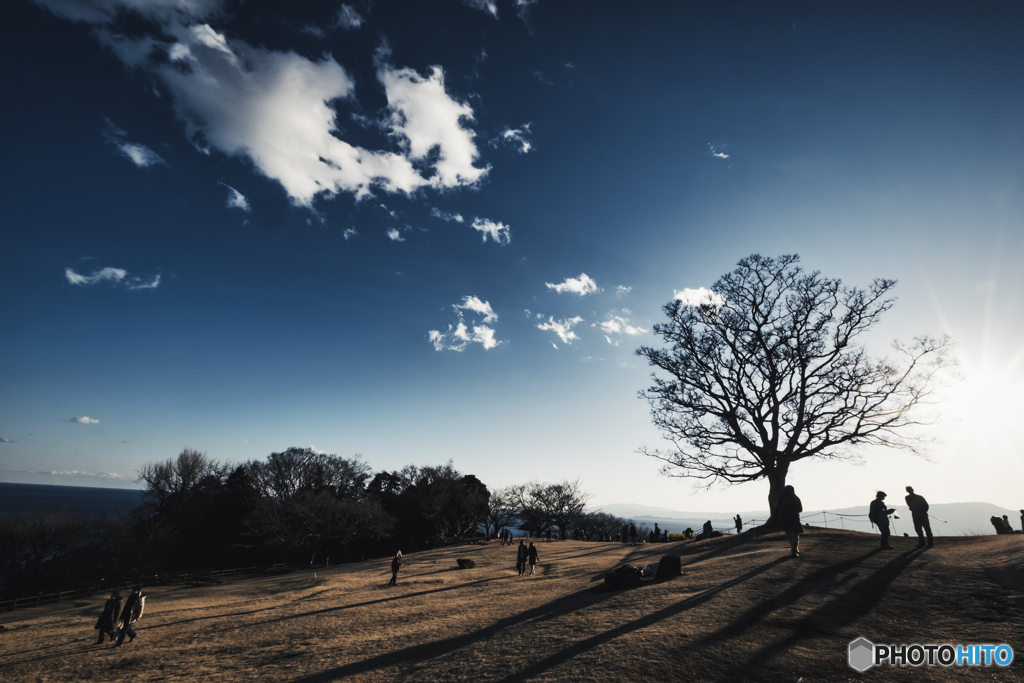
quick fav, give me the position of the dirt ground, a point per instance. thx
(743, 610)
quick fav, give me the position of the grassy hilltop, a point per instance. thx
(742, 610)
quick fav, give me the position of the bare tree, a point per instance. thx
(501, 510)
(766, 371)
(173, 483)
(544, 506)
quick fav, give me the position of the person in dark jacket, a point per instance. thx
(396, 564)
(107, 623)
(532, 558)
(919, 513)
(788, 511)
(521, 553)
(879, 516)
(131, 613)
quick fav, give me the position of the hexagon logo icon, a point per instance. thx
(862, 653)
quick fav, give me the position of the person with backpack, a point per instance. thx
(919, 513)
(131, 613)
(107, 623)
(788, 511)
(521, 553)
(879, 516)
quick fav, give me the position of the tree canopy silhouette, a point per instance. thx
(765, 370)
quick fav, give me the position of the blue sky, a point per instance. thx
(430, 231)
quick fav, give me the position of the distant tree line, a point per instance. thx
(299, 506)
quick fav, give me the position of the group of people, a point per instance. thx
(789, 507)
(1002, 526)
(116, 620)
(526, 556)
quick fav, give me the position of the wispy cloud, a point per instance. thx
(499, 232)
(350, 233)
(236, 200)
(84, 420)
(488, 6)
(348, 18)
(460, 335)
(80, 474)
(617, 325)
(698, 297)
(621, 291)
(562, 328)
(514, 137)
(717, 151)
(581, 285)
(395, 236)
(6, 440)
(446, 216)
(138, 154)
(115, 276)
(539, 75)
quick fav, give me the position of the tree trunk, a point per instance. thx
(776, 485)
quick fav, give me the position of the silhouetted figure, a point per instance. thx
(656, 534)
(688, 533)
(632, 533)
(396, 564)
(521, 552)
(1022, 521)
(879, 516)
(625, 534)
(739, 524)
(919, 513)
(998, 524)
(107, 623)
(1006, 524)
(707, 530)
(788, 511)
(532, 557)
(131, 613)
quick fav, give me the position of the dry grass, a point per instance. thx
(743, 610)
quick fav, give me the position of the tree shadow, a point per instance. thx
(859, 599)
(643, 622)
(68, 649)
(427, 651)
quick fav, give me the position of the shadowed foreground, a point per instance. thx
(742, 610)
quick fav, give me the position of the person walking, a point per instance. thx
(521, 553)
(879, 516)
(919, 513)
(788, 511)
(131, 613)
(531, 556)
(107, 623)
(396, 564)
(739, 524)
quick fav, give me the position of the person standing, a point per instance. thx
(531, 556)
(109, 617)
(1006, 525)
(632, 534)
(919, 513)
(131, 613)
(521, 554)
(739, 524)
(879, 516)
(396, 564)
(1022, 521)
(788, 511)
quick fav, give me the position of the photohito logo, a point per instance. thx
(864, 654)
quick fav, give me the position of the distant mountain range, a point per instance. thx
(948, 519)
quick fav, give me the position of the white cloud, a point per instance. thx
(716, 151)
(446, 216)
(316, 450)
(499, 232)
(429, 123)
(395, 236)
(483, 5)
(472, 303)
(117, 276)
(350, 233)
(84, 420)
(563, 328)
(348, 18)
(622, 290)
(89, 475)
(236, 200)
(104, 11)
(516, 137)
(617, 325)
(140, 155)
(6, 440)
(698, 297)
(581, 285)
(460, 335)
